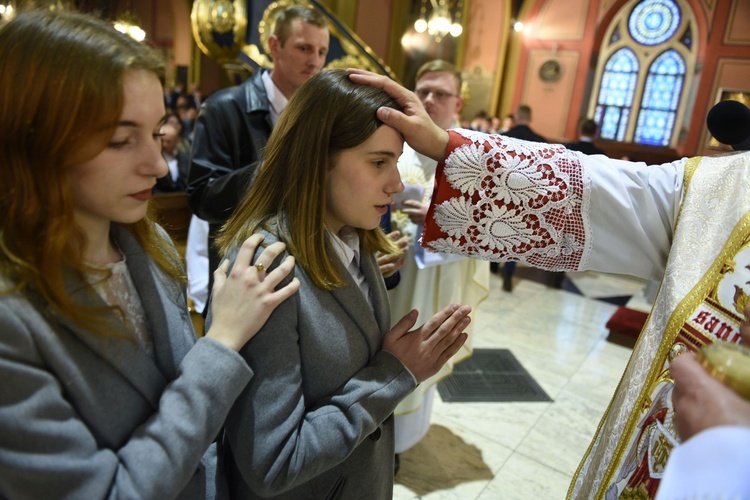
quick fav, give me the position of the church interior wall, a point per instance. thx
(501, 66)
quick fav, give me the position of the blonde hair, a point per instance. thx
(439, 65)
(66, 115)
(327, 115)
(286, 16)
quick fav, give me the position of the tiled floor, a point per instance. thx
(527, 450)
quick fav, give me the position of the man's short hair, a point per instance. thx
(588, 127)
(286, 16)
(440, 65)
(523, 113)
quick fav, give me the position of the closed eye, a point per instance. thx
(118, 144)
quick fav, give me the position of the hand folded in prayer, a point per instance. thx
(425, 350)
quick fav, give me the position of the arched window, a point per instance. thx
(642, 71)
(616, 94)
(661, 96)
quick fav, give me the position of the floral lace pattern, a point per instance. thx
(504, 199)
(119, 290)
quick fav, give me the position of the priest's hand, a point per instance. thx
(425, 350)
(745, 327)
(700, 401)
(414, 123)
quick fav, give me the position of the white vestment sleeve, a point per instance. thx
(712, 464)
(633, 212)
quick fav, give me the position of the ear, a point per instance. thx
(459, 104)
(274, 45)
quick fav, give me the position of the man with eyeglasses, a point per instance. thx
(430, 281)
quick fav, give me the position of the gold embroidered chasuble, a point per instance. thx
(702, 297)
(705, 287)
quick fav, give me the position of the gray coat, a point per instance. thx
(89, 416)
(316, 422)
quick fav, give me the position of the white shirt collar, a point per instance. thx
(346, 246)
(276, 100)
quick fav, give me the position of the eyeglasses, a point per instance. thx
(439, 95)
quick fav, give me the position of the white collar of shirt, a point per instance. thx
(346, 246)
(276, 100)
(174, 171)
(347, 249)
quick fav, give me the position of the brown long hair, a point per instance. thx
(325, 116)
(73, 65)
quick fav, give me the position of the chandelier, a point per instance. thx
(7, 10)
(130, 27)
(443, 19)
(127, 22)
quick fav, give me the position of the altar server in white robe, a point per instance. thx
(430, 281)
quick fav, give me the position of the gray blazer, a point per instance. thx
(89, 416)
(316, 421)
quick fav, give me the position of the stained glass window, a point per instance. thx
(643, 63)
(654, 21)
(615, 35)
(661, 97)
(687, 38)
(616, 94)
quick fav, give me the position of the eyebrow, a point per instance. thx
(131, 123)
(388, 153)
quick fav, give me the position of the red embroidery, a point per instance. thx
(502, 199)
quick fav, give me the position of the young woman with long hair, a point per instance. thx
(105, 390)
(329, 370)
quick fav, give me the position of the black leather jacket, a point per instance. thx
(231, 131)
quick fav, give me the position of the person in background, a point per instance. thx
(391, 263)
(586, 134)
(177, 162)
(106, 393)
(431, 281)
(495, 125)
(196, 262)
(329, 369)
(183, 145)
(521, 129)
(480, 122)
(507, 124)
(234, 123)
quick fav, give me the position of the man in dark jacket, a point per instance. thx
(586, 134)
(234, 124)
(522, 129)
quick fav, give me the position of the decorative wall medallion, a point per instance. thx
(550, 71)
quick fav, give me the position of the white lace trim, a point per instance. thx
(519, 201)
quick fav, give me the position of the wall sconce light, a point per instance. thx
(517, 26)
(444, 19)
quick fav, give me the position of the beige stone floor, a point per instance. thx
(526, 450)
